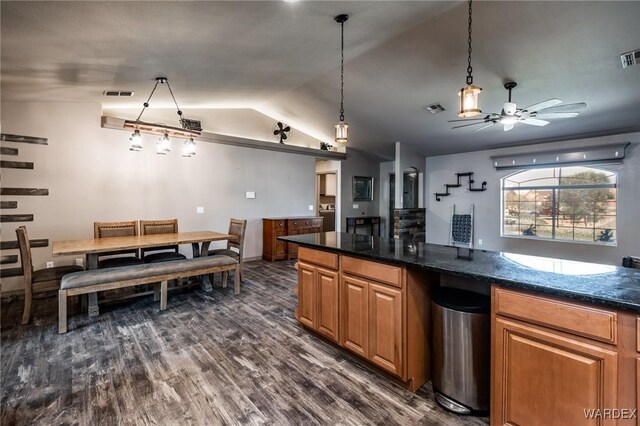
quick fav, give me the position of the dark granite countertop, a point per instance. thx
(604, 285)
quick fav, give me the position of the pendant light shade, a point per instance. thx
(469, 102)
(342, 132)
(189, 148)
(163, 145)
(342, 128)
(469, 95)
(135, 143)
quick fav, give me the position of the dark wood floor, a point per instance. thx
(211, 358)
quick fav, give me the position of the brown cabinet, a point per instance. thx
(553, 359)
(355, 315)
(318, 287)
(272, 228)
(385, 328)
(363, 306)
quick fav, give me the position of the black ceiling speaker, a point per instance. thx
(282, 131)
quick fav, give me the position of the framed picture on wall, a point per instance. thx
(362, 188)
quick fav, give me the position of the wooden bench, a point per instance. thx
(108, 279)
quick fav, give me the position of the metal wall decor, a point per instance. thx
(458, 184)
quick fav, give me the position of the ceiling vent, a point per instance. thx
(126, 93)
(434, 108)
(630, 58)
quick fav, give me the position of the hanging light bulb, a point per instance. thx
(342, 128)
(469, 95)
(189, 148)
(164, 144)
(135, 141)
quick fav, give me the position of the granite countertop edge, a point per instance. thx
(589, 294)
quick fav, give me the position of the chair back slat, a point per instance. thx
(25, 252)
(167, 226)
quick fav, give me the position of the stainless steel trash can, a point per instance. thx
(461, 350)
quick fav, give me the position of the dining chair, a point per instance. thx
(169, 226)
(237, 228)
(45, 279)
(117, 229)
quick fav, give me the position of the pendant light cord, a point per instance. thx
(342, 71)
(146, 104)
(469, 68)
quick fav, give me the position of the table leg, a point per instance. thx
(92, 263)
(196, 249)
(205, 282)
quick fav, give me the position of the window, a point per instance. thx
(560, 203)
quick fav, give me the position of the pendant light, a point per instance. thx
(469, 102)
(342, 128)
(188, 128)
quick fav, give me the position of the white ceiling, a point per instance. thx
(282, 60)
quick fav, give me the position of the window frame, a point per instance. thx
(554, 188)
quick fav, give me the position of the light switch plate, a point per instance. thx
(199, 209)
(356, 206)
(479, 241)
(311, 207)
(250, 194)
(49, 264)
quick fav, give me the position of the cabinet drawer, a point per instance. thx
(373, 270)
(594, 323)
(318, 257)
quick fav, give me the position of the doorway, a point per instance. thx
(326, 195)
(410, 195)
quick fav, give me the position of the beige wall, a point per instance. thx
(91, 175)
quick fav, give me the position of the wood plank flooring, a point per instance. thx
(211, 358)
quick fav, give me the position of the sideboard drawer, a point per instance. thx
(381, 272)
(586, 321)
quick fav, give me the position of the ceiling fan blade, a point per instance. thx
(534, 122)
(548, 115)
(276, 132)
(484, 127)
(287, 129)
(565, 108)
(279, 124)
(467, 119)
(542, 105)
(283, 137)
(467, 125)
(508, 127)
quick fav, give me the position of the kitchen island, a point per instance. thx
(565, 335)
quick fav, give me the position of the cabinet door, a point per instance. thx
(330, 185)
(281, 246)
(307, 294)
(355, 315)
(327, 293)
(292, 249)
(544, 378)
(385, 328)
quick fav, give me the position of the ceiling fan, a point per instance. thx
(534, 115)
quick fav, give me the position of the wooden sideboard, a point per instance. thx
(272, 228)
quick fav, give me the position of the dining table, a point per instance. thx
(94, 247)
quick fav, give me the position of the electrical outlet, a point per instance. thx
(356, 206)
(311, 207)
(80, 262)
(250, 194)
(479, 241)
(199, 209)
(49, 264)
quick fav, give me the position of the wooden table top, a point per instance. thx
(99, 245)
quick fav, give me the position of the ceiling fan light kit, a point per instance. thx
(342, 128)
(470, 93)
(189, 129)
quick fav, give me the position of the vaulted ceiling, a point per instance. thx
(282, 59)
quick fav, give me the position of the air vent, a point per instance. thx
(118, 93)
(434, 108)
(630, 58)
